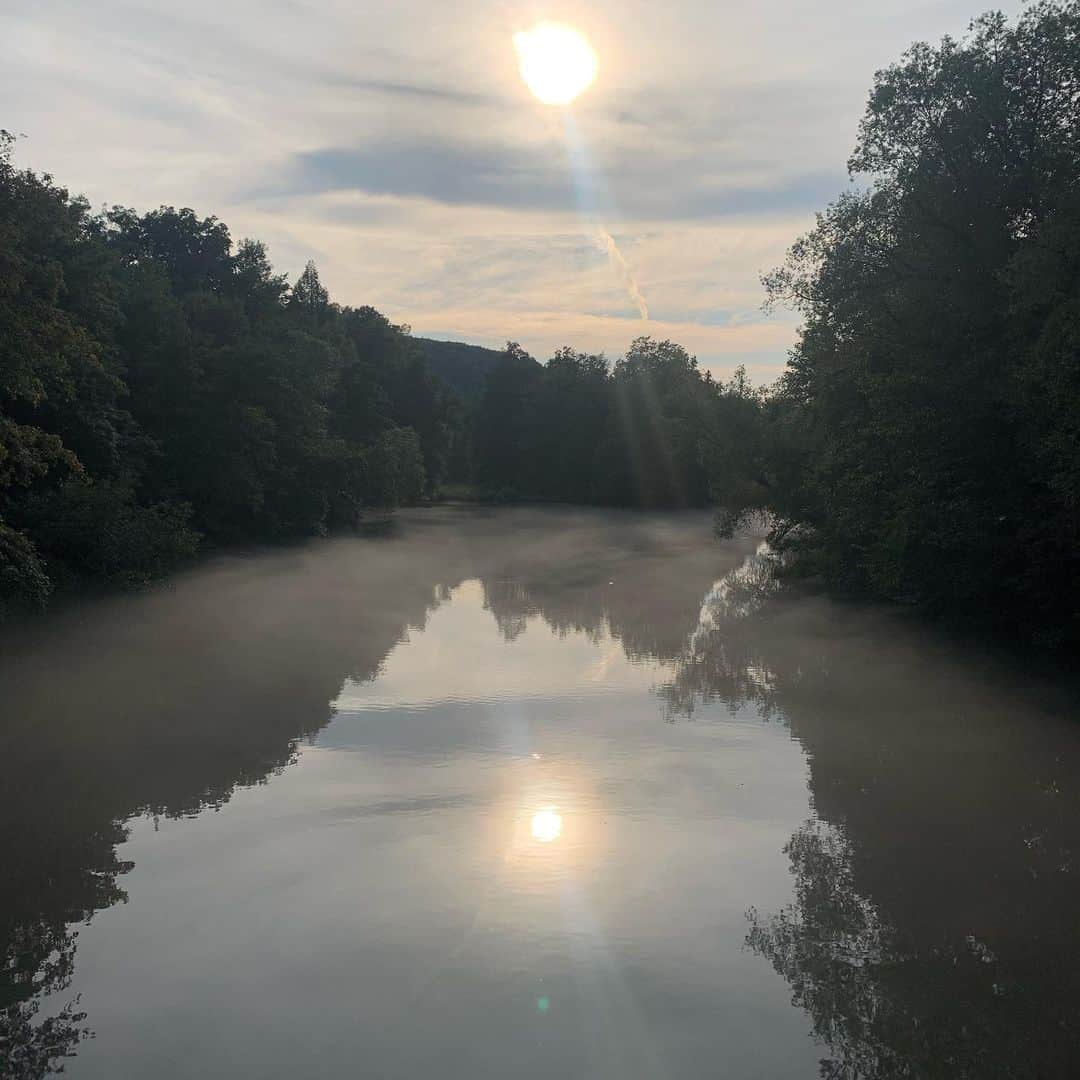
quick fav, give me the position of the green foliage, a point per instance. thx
(662, 409)
(158, 383)
(506, 419)
(654, 431)
(24, 584)
(99, 530)
(396, 467)
(923, 442)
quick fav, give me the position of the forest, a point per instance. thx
(163, 390)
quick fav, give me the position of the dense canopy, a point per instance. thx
(159, 384)
(924, 442)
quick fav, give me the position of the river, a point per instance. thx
(529, 793)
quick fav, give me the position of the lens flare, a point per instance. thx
(556, 62)
(546, 825)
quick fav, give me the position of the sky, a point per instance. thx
(396, 145)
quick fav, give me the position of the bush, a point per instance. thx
(99, 530)
(396, 468)
(24, 584)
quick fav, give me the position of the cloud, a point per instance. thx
(488, 274)
(420, 91)
(447, 172)
(477, 172)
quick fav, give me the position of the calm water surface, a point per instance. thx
(529, 794)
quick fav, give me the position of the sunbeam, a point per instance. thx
(596, 206)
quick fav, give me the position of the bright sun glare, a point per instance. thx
(556, 62)
(546, 825)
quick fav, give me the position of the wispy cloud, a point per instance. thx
(633, 290)
(485, 172)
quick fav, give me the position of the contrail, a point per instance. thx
(607, 243)
(591, 192)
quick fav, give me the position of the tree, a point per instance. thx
(654, 450)
(157, 385)
(573, 404)
(916, 388)
(505, 417)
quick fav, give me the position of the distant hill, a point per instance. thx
(464, 367)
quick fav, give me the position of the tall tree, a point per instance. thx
(920, 384)
(154, 379)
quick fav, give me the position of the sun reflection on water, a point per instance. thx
(547, 825)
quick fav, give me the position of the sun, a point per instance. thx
(556, 62)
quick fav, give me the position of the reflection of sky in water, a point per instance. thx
(461, 657)
(496, 860)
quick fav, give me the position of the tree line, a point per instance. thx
(159, 387)
(163, 389)
(652, 430)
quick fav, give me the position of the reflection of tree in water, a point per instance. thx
(892, 1001)
(638, 579)
(164, 704)
(725, 657)
(43, 958)
(934, 931)
(161, 705)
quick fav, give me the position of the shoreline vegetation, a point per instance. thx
(163, 391)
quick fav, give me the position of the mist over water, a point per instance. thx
(529, 793)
